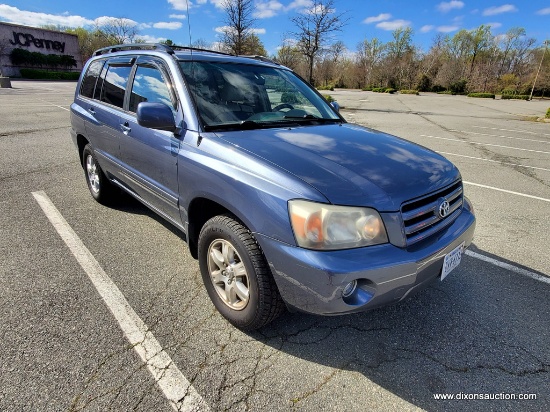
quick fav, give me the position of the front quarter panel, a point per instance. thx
(254, 192)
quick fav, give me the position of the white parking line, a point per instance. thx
(511, 130)
(55, 105)
(484, 144)
(494, 161)
(508, 266)
(506, 191)
(177, 389)
(498, 135)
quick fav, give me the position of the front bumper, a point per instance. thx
(312, 281)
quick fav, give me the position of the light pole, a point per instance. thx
(538, 71)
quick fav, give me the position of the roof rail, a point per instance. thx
(199, 49)
(153, 46)
(134, 46)
(259, 57)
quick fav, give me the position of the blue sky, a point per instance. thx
(168, 19)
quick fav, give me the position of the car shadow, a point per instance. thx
(123, 202)
(484, 330)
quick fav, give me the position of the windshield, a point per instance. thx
(229, 95)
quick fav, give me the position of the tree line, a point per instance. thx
(467, 61)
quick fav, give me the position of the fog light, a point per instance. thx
(349, 289)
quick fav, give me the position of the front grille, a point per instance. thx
(421, 216)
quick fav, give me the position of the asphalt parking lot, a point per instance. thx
(484, 330)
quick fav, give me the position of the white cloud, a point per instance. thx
(299, 4)
(226, 29)
(445, 7)
(105, 20)
(179, 4)
(380, 17)
(544, 12)
(266, 9)
(494, 25)
(427, 28)
(172, 25)
(30, 18)
(447, 29)
(393, 25)
(222, 29)
(151, 39)
(506, 8)
(217, 3)
(178, 16)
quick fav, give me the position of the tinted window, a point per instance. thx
(90, 78)
(114, 85)
(149, 86)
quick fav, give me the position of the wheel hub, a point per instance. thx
(228, 274)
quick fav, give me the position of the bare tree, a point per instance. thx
(118, 30)
(314, 28)
(238, 25)
(288, 55)
(369, 54)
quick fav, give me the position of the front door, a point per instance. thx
(150, 157)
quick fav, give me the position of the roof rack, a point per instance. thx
(259, 57)
(152, 46)
(172, 49)
(134, 46)
(199, 49)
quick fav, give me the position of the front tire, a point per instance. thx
(236, 275)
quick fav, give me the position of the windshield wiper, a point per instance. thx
(243, 125)
(311, 117)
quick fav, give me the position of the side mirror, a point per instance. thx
(335, 106)
(156, 116)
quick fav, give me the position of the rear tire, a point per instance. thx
(100, 188)
(236, 274)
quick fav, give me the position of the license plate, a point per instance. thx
(452, 260)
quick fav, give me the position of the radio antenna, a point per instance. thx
(189, 25)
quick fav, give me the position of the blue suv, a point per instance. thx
(283, 203)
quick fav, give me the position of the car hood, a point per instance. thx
(349, 164)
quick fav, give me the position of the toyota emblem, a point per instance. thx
(444, 208)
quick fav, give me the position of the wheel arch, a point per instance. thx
(81, 143)
(200, 210)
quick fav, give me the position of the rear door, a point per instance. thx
(105, 108)
(150, 157)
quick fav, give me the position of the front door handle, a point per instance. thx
(125, 127)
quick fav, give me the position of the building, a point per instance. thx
(45, 42)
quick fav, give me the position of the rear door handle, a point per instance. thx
(91, 110)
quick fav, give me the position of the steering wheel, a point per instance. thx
(283, 106)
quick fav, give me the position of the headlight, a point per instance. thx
(328, 227)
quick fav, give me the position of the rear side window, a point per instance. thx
(149, 86)
(90, 78)
(114, 85)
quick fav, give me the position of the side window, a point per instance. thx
(149, 86)
(114, 85)
(90, 78)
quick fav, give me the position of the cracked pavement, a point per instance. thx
(482, 330)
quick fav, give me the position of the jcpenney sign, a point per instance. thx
(26, 39)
